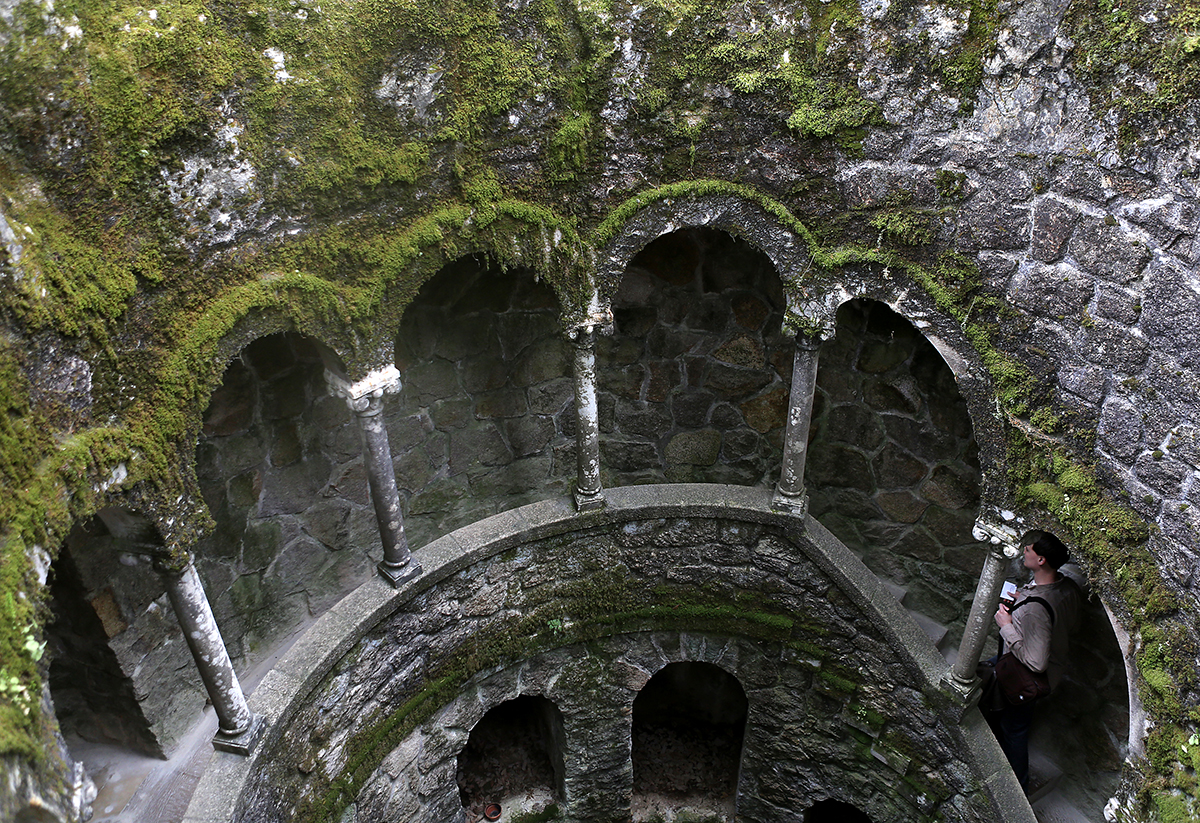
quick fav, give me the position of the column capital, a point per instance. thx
(599, 319)
(1001, 537)
(810, 341)
(364, 397)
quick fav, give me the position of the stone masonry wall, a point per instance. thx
(835, 709)
(693, 384)
(486, 418)
(280, 470)
(893, 468)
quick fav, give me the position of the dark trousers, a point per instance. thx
(1011, 724)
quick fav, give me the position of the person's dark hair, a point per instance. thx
(1047, 546)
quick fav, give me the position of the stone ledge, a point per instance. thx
(332, 636)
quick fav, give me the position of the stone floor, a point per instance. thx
(133, 788)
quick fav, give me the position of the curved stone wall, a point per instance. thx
(369, 711)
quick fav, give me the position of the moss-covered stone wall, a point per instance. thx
(1018, 180)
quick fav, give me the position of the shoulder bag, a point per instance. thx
(1018, 683)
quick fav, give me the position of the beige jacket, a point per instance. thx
(1030, 636)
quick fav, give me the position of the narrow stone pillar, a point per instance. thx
(790, 494)
(237, 729)
(961, 677)
(365, 399)
(588, 493)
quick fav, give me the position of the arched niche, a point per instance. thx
(893, 468)
(120, 675)
(1080, 738)
(279, 466)
(689, 724)
(693, 383)
(514, 758)
(485, 420)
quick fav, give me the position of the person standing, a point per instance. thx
(1036, 629)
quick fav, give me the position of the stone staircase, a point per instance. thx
(1050, 805)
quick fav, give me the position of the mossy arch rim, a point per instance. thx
(737, 210)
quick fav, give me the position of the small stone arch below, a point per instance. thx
(689, 724)
(513, 760)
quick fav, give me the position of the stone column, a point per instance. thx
(237, 729)
(588, 493)
(365, 399)
(790, 494)
(961, 678)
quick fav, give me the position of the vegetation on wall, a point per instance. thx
(131, 137)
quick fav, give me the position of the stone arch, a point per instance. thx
(510, 233)
(764, 223)
(693, 382)
(892, 467)
(965, 363)
(278, 467)
(119, 672)
(514, 757)
(288, 303)
(689, 725)
(485, 419)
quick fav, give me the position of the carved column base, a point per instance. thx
(589, 501)
(965, 693)
(242, 743)
(400, 574)
(796, 504)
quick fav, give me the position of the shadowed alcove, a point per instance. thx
(834, 811)
(689, 722)
(514, 757)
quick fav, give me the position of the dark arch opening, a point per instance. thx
(93, 600)
(1080, 734)
(834, 811)
(693, 384)
(689, 722)
(514, 757)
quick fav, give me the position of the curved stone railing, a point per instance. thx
(367, 712)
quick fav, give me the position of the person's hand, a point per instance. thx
(1003, 618)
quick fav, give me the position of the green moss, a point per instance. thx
(1046, 420)
(836, 682)
(551, 812)
(908, 226)
(1171, 808)
(951, 185)
(1119, 43)
(570, 148)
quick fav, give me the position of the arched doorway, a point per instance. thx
(513, 758)
(893, 468)
(280, 469)
(486, 418)
(689, 722)
(693, 384)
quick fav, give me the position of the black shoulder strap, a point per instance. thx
(1034, 599)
